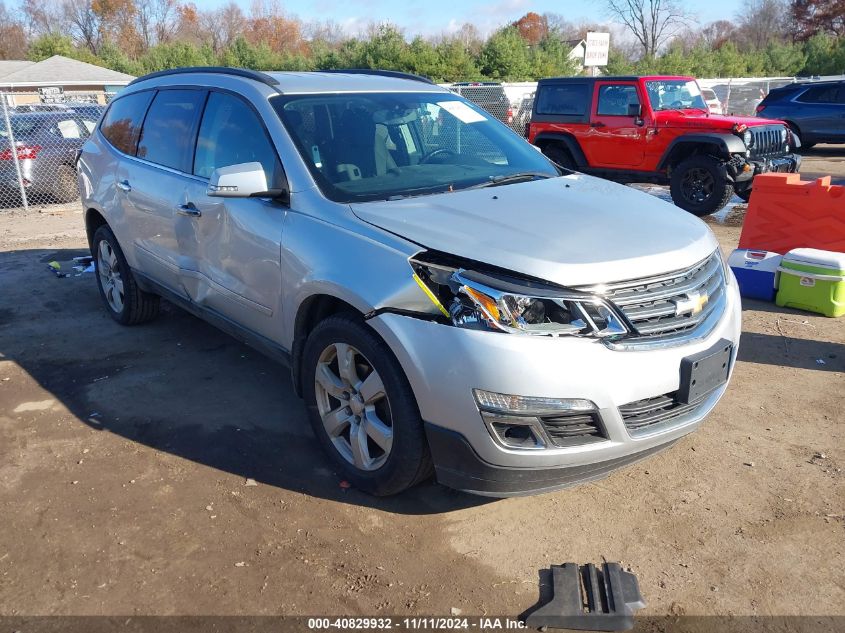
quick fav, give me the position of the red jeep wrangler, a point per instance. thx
(657, 129)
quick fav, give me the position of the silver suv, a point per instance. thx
(449, 300)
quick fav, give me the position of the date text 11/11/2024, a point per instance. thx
(416, 623)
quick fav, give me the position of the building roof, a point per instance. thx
(9, 66)
(58, 71)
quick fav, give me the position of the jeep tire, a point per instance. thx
(559, 155)
(700, 185)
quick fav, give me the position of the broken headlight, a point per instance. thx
(501, 302)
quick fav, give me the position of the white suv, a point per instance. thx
(448, 299)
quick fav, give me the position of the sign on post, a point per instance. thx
(598, 45)
(52, 94)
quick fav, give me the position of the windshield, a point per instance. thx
(675, 94)
(378, 146)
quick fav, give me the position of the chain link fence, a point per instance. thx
(511, 103)
(39, 139)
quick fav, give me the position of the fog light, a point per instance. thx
(515, 431)
(518, 421)
(528, 405)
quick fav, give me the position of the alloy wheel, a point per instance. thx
(697, 185)
(110, 279)
(353, 406)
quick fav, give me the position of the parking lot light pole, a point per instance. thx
(13, 149)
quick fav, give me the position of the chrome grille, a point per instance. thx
(765, 141)
(668, 304)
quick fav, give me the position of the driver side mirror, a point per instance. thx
(635, 110)
(244, 180)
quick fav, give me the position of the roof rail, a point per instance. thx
(396, 74)
(221, 70)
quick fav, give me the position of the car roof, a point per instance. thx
(618, 78)
(797, 85)
(293, 82)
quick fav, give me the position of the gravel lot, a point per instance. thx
(167, 469)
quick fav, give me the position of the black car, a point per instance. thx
(814, 110)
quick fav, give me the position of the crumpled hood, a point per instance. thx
(573, 230)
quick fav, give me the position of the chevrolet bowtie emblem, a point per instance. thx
(693, 302)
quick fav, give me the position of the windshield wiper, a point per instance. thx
(509, 179)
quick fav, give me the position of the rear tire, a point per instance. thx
(559, 155)
(373, 434)
(700, 185)
(124, 300)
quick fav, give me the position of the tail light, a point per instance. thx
(760, 108)
(24, 152)
(510, 115)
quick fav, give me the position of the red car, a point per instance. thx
(657, 129)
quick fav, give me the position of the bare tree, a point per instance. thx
(220, 27)
(156, 21)
(12, 35)
(328, 32)
(652, 22)
(717, 33)
(762, 21)
(43, 17)
(85, 24)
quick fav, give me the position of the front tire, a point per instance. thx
(744, 194)
(124, 300)
(700, 185)
(362, 409)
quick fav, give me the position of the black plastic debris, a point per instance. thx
(589, 599)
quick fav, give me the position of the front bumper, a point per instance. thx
(790, 163)
(444, 363)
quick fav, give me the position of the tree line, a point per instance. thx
(766, 37)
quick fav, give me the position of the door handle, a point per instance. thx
(597, 124)
(188, 209)
(124, 185)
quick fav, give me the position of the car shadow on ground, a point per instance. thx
(176, 385)
(787, 351)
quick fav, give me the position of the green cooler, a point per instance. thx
(814, 280)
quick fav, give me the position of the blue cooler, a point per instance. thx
(755, 271)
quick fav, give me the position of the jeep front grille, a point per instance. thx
(668, 304)
(766, 141)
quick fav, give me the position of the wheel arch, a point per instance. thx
(719, 145)
(568, 141)
(314, 309)
(94, 219)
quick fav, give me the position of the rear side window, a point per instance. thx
(820, 94)
(122, 124)
(615, 99)
(169, 129)
(230, 134)
(568, 99)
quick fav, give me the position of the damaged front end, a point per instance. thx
(474, 296)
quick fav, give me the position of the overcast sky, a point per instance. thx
(430, 17)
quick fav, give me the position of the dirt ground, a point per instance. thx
(126, 456)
